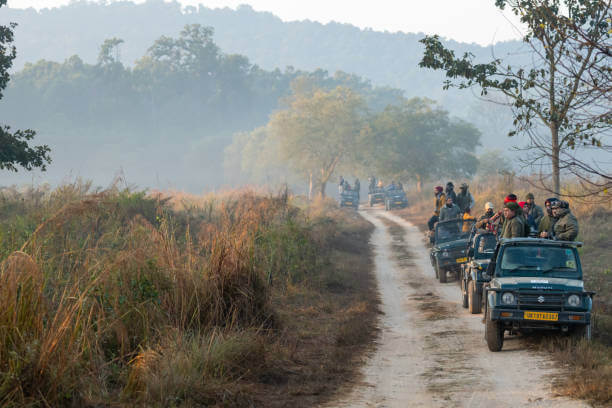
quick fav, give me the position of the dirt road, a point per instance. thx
(431, 352)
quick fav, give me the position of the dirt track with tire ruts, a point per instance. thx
(431, 352)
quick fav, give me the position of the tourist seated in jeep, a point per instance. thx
(536, 284)
(473, 273)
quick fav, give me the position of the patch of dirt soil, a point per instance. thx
(430, 351)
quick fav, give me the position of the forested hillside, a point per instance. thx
(118, 87)
(388, 59)
(169, 117)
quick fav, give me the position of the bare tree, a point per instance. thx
(561, 101)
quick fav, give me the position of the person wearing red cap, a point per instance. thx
(439, 201)
(510, 197)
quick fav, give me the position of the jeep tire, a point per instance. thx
(494, 332)
(464, 294)
(474, 300)
(582, 332)
(442, 275)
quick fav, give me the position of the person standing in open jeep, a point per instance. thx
(464, 199)
(514, 226)
(535, 211)
(450, 191)
(450, 211)
(566, 227)
(484, 221)
(439, 202)
(545, 227)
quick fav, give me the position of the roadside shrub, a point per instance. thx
(114, 296)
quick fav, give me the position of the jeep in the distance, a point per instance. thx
(349, 198)
(449, 249)
(395, 198)
(376, 196)
(480, 249)
(536, 284)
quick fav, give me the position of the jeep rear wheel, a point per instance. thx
(474, 298)
(494, 332)
(464, 295)
(442, 275)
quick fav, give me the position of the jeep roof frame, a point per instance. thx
(539, 241)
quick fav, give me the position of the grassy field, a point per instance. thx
(588, 367)
(120, 298)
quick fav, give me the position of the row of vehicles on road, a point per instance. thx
(390, 198)
(520, 284)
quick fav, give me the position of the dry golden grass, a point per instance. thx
(120, 298)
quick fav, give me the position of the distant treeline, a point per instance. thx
(171, 114)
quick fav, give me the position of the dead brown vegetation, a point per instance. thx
(119, 298)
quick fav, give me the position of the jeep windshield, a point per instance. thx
(546, 261)
(454, 230)
(484, 246)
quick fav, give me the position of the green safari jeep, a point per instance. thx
(536, 284)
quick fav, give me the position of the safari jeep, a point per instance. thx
(473, 273)
(449, 241)
(395, 199)
(349, 198)
(376, 196)
(536, 284)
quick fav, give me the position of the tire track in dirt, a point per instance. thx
(431, 352)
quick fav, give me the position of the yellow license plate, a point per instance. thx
(461, 260)
(551, 317)
(398, 202)
(349, 202)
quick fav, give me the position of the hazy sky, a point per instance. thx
(476, 21)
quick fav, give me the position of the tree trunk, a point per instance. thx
(323, 185)
(310, 186)
(419, 184)
(556, 178)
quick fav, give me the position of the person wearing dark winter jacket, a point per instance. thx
(439, 202)
(464, 199)
(450, 211)
(566, 227)
(450, 191)
(545, 227)
(531, 223)
(535, 211)
(514, 226)
(484, 220)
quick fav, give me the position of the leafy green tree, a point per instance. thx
(319, 131)
(419, 141)
(561, 100)
(109, 51)
(14, 148)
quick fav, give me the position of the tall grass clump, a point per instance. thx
(114, 297)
